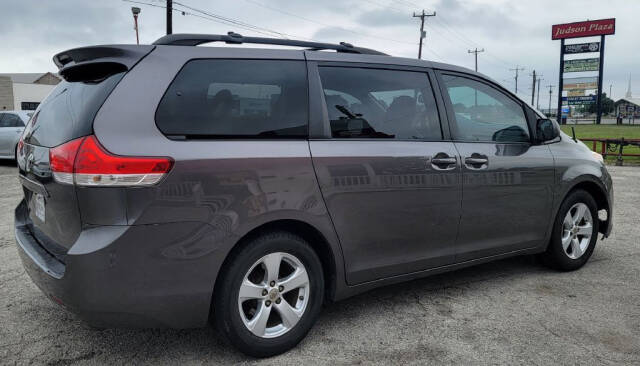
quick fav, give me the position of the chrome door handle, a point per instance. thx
(476, 162)
(443, 162)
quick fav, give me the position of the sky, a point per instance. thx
(514, 34)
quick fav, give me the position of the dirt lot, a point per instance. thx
(508, 312)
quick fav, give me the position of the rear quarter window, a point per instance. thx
(236, 98)
(68, 111)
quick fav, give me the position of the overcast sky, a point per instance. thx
(511, 32)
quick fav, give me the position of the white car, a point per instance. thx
(11, 126)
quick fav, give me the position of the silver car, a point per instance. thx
(11, 126)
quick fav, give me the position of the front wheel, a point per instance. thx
(270, 294)
(575, 232)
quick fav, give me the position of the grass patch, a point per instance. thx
(607, 132)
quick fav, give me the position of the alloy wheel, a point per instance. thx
(273, 295)
(577, 229)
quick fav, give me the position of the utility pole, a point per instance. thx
(538, 98)
(476, 51)
(169, 16)
(423, 34)
(533, 90)
(517, 69)
(550, 92)
(610, 86)
(135, 11)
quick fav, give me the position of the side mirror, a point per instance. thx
(546, 130)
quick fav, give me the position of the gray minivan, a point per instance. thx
(167, 185)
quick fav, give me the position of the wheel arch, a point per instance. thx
(306, 231)
(596, 189)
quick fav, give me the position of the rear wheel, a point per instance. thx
(269, 294)
(575, 232)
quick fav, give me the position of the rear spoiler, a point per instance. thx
(97, 62)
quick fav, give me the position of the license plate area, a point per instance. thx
(38, 206)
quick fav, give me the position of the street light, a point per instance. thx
(135, 10)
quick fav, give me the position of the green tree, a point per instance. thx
(607, 105)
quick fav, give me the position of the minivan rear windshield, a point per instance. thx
(68, 112)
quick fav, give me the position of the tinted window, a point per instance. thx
(68, 112)
(483, 113)
(10, 120)
(236, 98)
(374, 103)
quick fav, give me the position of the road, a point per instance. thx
(509, 312)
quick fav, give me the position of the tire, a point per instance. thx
(235, 316)
(575, 252)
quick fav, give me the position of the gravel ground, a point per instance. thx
(508, 312)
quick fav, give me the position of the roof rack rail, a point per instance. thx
(235, 38)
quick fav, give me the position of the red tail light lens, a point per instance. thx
(61, 160)
(20, 146)
(92, 165)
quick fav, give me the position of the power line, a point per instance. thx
(215, 18)
(363, 34)
(326, 24)
(387, 6)
(447, 27)
(441, 20)
(231, 20)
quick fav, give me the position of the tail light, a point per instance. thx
(20, 146)
(85, 162)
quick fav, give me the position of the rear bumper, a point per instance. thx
(128, 276)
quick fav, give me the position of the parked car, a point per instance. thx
(170, 185)
(11, 127)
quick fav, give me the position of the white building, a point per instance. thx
(24, 91)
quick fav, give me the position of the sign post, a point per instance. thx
(590, 28)
(560, 116)
(599, 95)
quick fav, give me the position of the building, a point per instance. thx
(628, 107)
(24, 91)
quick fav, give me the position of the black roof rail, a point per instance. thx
(235, 38)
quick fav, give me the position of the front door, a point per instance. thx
(390, 182)
(507, 180)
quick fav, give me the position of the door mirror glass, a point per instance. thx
(546, 130)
